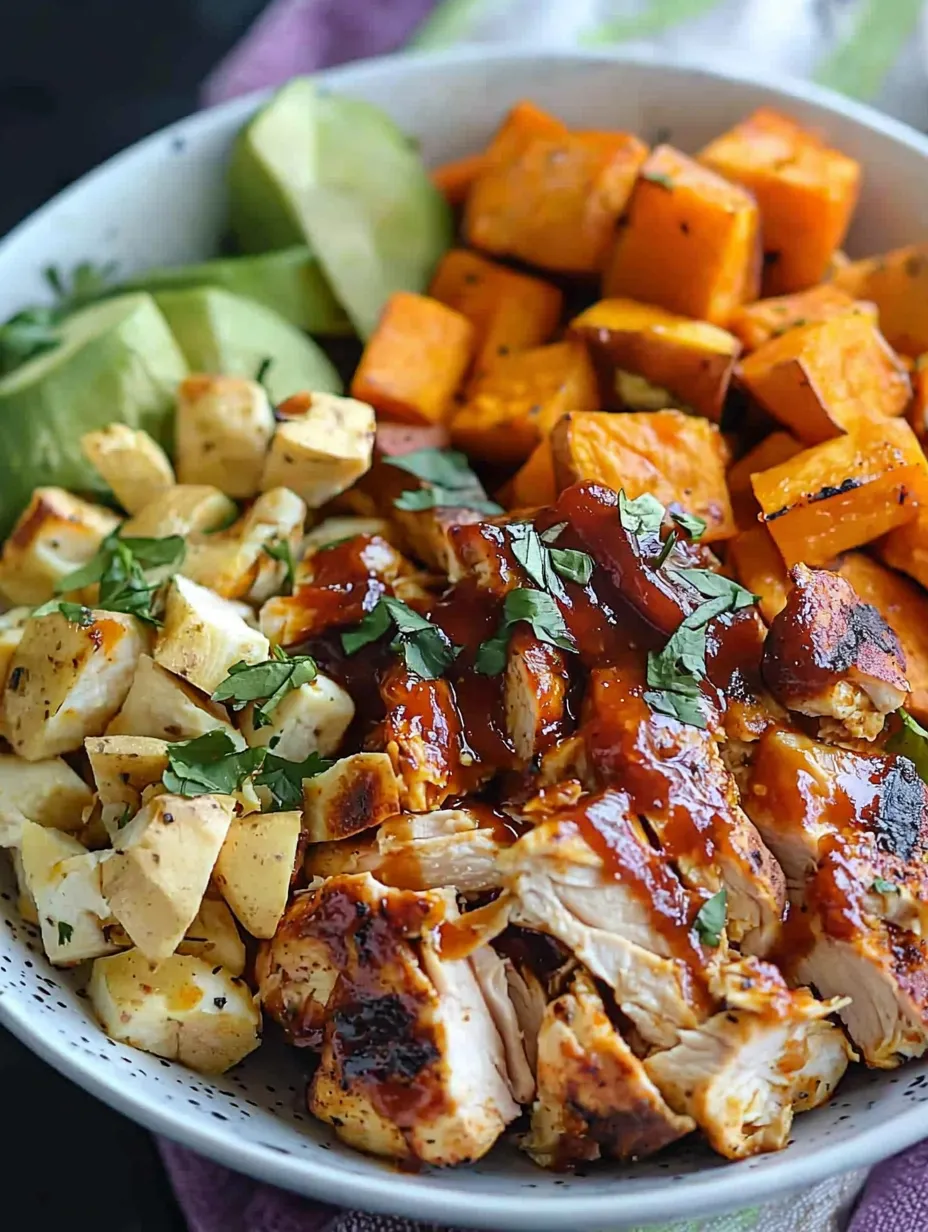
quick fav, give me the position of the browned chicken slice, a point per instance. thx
(494, 975)
(851, 831)
(741, 1076)
(833, 657)
(535, 693)
(421, 733)
(595, 1099)
(681, 788)
(422, 851)
(412, 1064)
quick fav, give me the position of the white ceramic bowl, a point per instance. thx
(164, 201)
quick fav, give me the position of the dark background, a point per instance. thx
(79, 80)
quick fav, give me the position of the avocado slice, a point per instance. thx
(290, 281)
(116, 361)
(338, 174)
(224, 333)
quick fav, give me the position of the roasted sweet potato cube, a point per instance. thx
(689, 241)
(757, 323)
(555, 203)
(806, 193)
(509, 311)
(917, 414)
(819, 380)
(904, 607)
(514, 405)
(453, 180)
(758, 565)
(415, 359)
(692, 360)
(845, 492)
(523, 122)
(771, 451)
(678, 458)
(534, 483)
(906, 548)
(897, 283)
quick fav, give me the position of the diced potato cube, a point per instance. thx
(25, 903)
(56, 534)
(255, 868)
(161, 704)
(310, 719)
(213, 936)
(122, 767)
(12, 625)
(508, 310)
(897, 282)
(771, 451)
(203, 636)
(692, 360)
(65, 883)
(415, 359)
(689, 241)
(131, 463)
(155, 879)
(806, 193)
(357, 792)
(555, 201)
(181, 510)
(765, 319)
(678, 458)
(183, 1010)
(48, 793)
(819, 379)
(518, 401)
(223, 428)
(759, 567)
(843, 493)
(67, 680)
(321, 446)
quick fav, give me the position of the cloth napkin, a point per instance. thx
(871, 48)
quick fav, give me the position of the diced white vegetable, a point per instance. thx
(223, 428)
(122, 767)
(214, 937)
(255, 867)
(56, 534)
(67, 681)
(12, 624)
(156, 878)
(161, 704)
(25, 903)
(46, 792)
(322, 452)
(131, 463)
(181, 510)
(357, 792)
(310, 719)
(184, 1010)
(203, 636)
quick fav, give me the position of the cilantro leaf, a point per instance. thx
(119, 566)
(694, 525)
(642, 516)
(553, 533)
(281, 550)
(210, 764)
(882, 886)
(268, 683)
(86, 283)
(666, 549)
(710, 919)
(75, 612)
(373, 626)
(674, 674)
(573, 565)
(544, 564)
(536, 608)
(717, 586)
(65, 933)
(284, 779)
(27, 334)
(450, 480)
(425, 649)
(911, 741)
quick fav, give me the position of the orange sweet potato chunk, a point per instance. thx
(509, 311)
(692, 360)
(514, 405)
(678, 458)
(534, 484)
(805, 190)
(555, 204)
(819, 379)
(689, 241)
(917, 414)
(758, 565)
(897, 282)
(904, 607)
(845, 492)
(771, 451)
(415, 359)
(453, 180)
(757, 323)
(522, 123)
(906, 548)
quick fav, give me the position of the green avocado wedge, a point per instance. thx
(290, 281)
(117, 361)
(223, 333)
(338, 174)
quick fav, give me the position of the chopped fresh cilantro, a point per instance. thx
(536, 608)
(27, 334)
(86, 283)
(544, 564)
(450, 480)
(284, 779)
(710, 919)
(694, 526)
(642, 516)
(210, 764)
(911, 741)
(65, 933)
(267, 683)
(668, 546)
(553, 533)
(723, 594)
(425, 649)
(882, 886)
(125, 817)
(76, 613)
(674, 674)
(119, 566)
(281, 550)
(573, 565)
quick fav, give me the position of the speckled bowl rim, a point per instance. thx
(388, 1190)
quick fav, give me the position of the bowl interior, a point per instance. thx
(163, 202)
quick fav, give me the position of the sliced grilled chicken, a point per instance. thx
(741, 1076)
(595, 1098)
(493, 976)
(421, 733)
(833, 657)
(535, 693)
